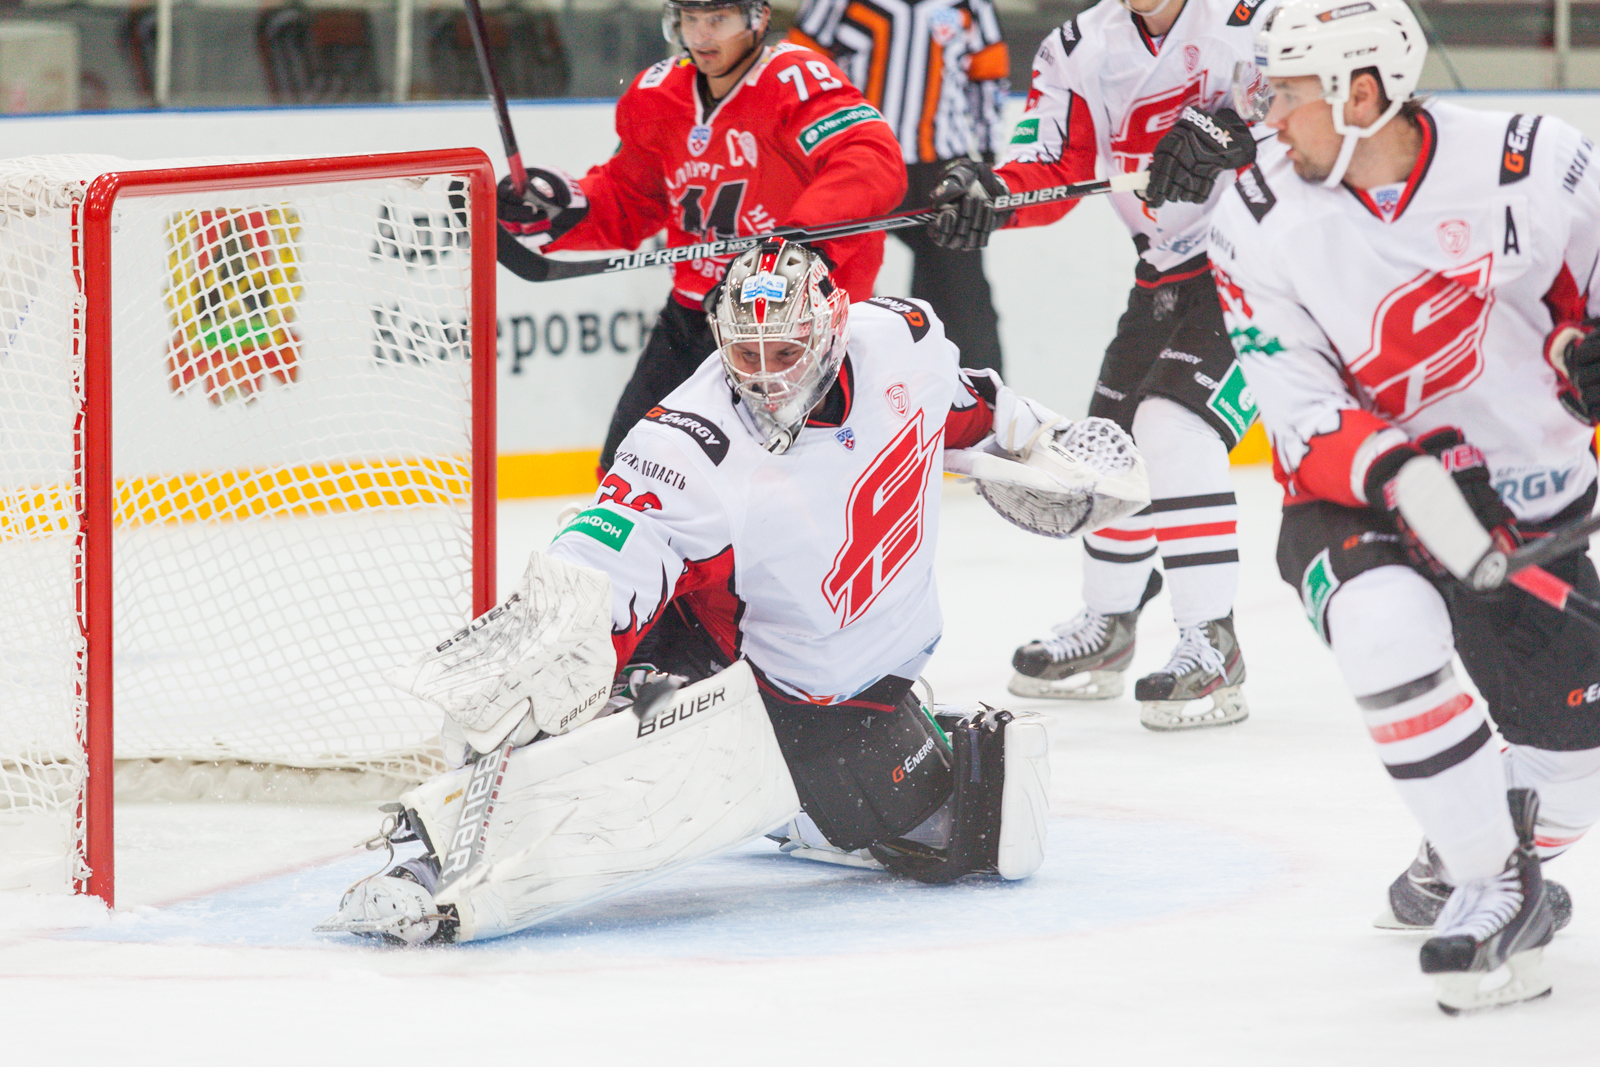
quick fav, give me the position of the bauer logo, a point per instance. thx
(607, 527)
(706, 435)
(1520, 132)
(1027, 132)
(683, 710)
(1233, 403)
(825, 127)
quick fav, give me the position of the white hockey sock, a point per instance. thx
(1569, 792)
(1392, 639)
(1193, 509)
(1117, 563)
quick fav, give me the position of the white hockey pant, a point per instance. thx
(614, 804)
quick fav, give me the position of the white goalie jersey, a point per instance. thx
(1362, 319)
(1104, 89)
(817, 564)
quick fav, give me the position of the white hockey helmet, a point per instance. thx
(777, 298)
(754, 12)
(1333, 40)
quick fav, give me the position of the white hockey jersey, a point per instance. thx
(1104, 89)
(1363, 318)
(817, 564)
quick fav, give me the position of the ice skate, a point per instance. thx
(1206, 664)
(802, 840)
(394, 906)
(1487, 949)
(1417, 896)
(1083, 659)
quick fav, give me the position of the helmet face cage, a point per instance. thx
(1333, 39)
(672, 15)
(781, 327)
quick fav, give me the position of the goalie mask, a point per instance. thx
(1333, 40)
(781, 326)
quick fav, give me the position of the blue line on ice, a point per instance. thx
(756, 903)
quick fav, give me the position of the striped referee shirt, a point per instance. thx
(935, 68)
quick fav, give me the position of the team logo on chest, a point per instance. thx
(1148, 119)
(899, 399)
(1427, 338)
(699, 140)
(1454, 236)
(883, 522)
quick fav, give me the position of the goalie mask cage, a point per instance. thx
(246, 463)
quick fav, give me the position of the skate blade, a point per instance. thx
(1085, 685)
(1388, 920)
(859, 858)
(1227, 707)
(1520, 978)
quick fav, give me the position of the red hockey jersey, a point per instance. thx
(793, 144)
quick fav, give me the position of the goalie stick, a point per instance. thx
(536, 268)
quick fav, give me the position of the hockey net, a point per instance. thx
(245, 465)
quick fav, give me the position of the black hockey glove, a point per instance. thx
(1471, 476)
(964, 199)
(1573, 352)
(552, 204)
(1191, 155)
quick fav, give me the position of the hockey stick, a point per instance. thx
(497, 95)
(465, 847)
(1525, 570)
(536, 268)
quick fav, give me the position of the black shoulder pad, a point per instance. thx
(916, 319)
(1243, 12)
(704, 432)
(1518, 150)
(1255, 192)
(1068, 32)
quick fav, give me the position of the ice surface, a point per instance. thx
(1207, 899)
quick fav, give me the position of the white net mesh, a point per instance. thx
(291, 453)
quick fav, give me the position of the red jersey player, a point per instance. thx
(727, 139)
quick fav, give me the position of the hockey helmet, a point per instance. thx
(755, 14)
(781, 326)
(1333, 40)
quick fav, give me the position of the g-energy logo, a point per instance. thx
(1518, 150)
(1243, 12)
(704, 434)
(916, 321)
(913, 761)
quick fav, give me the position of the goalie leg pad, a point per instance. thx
(864, 777)
(1000, 804)
(612, 805)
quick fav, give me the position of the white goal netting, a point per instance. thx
(292, 410)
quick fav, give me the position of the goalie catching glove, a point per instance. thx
(1452, 522)
(1050, 475)
(549, 206)
(540, 661)
(1188, 159)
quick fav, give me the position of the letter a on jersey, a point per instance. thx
(883, 524)
(1427, 338)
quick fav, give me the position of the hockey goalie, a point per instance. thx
(724, 645)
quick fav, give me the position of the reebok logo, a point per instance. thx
(1206, 125)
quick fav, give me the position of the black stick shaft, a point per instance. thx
(497, 95)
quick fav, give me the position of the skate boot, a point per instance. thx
(1487, 948)
(1083, 659)
(1206, 664)
(395, 905)
(1417, 896)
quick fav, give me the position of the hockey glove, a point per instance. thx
(1191, 155)
(1449, 517)
(964, 202)
(1573, 352)
(552, 204)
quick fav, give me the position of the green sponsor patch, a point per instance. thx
(607, 527)
(1316, 587)
(1233, 402)
(1027, 132)
(1249, 339)
(829, 125)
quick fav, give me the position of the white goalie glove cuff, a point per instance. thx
(540, 660)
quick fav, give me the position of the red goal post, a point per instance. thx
(286, 526)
